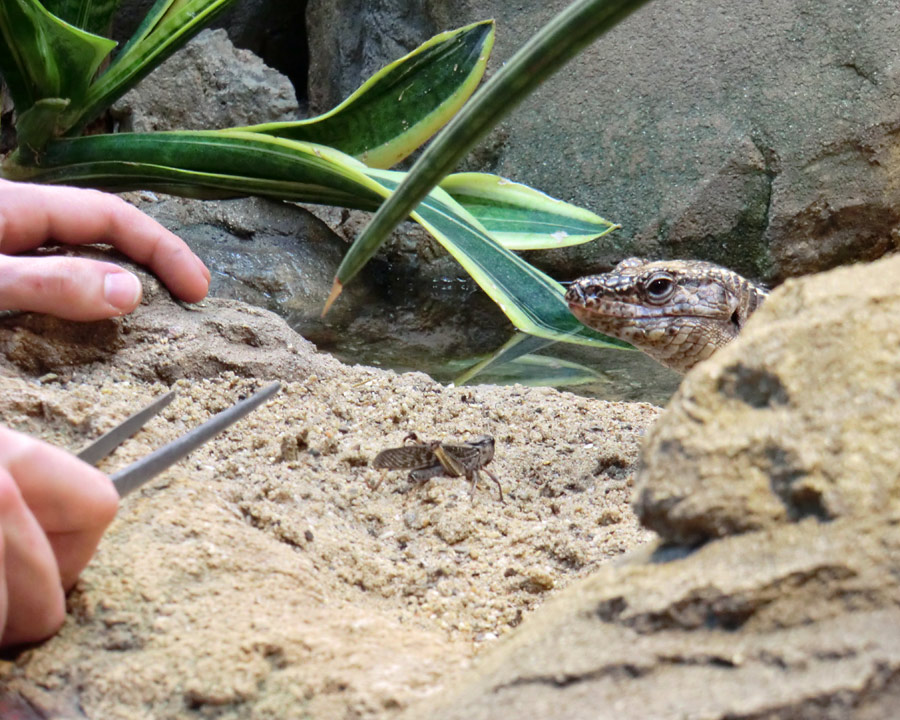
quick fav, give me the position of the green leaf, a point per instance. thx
(532, 300)
(229, 163)
(95, 16)
(522, 218)
(404, 103)
(167, 27)
(203, 164)
(43, 57)
(540, 371)
(517, 346)
(547, 51)
(39, 123)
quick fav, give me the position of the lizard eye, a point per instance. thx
(660, 288)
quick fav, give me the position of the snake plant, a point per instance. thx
(49, 57)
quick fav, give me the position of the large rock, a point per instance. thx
(796, 623)
(273, 29)
(780, 451)
(207, 85)
(757, 135)
(799, 418)
(267, 253)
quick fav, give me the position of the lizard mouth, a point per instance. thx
(601, 308)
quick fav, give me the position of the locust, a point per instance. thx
(434, 458)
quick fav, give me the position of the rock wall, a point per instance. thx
(757, 135)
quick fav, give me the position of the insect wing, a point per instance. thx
(467, 457)
(473, 455)
(408, 457)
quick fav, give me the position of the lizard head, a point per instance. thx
(677, 311)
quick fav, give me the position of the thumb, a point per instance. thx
(69, 288)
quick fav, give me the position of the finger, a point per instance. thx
(70, 288)
(33, 214)
(4, 595)
(35, 604)
(73, 501)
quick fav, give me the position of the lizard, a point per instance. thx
(679, 312)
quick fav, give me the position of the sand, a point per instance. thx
(262, 577)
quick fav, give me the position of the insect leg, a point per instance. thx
(421, 475)
(499, 486)
(452, 466)
(473, 476)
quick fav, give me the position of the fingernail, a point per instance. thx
(122, 290)
(203, 269)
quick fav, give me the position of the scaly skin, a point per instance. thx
(679, 312)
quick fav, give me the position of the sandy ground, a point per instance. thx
(261, 577)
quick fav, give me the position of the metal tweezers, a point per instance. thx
(147, 468)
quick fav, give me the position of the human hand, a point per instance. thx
(78, 288)
(53, 511)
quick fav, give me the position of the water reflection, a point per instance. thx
(617, 375)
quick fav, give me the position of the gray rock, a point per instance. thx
(756, 135)
(272, 29)
(281, 257)
(798, 417)
(269, 254)
(207, 85)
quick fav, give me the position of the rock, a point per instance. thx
(207, 85)
(799, 622)
(799, 417)
(270, 254)
(210, 338)
(271, 29)
(769, 149)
